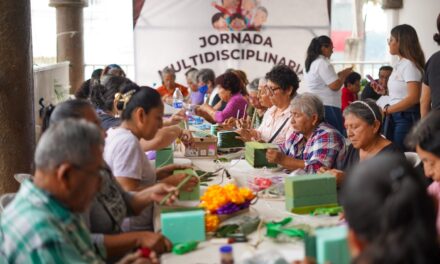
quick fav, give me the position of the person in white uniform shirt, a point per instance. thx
(404, 84)
(321, 79)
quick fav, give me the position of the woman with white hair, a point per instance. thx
(314, 143)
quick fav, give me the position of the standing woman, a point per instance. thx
(322, 80)
(431, 81)
(404, 84)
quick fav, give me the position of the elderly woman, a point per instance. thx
(229, 91)
(196, 95)
(166, 91)
(314, 143)
(363, 121)
(281, 86)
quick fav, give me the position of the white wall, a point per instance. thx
(422, 15)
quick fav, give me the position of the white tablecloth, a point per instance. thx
(266, 209)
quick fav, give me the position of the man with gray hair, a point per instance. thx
(169, 85)
(314, 143)
(42, 223)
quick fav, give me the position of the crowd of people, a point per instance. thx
(92, 195)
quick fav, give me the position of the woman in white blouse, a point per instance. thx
(404, 84)
(321, 79)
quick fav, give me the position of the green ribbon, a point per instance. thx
(273, 229)
(331, 211)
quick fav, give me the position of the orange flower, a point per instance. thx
(211, 222)
(217, 196)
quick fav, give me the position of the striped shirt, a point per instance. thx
(36, 228)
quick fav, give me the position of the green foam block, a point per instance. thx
(255, 154)
(164, 157)
(189, 196)
(183, 225)
(308, 192)
(331, 245)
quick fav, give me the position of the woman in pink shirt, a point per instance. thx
(425, 137)
(229, 91)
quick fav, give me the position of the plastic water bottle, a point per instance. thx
(177, 99)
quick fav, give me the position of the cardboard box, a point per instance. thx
(204, 145)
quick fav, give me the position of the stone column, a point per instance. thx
(17, 122)
(70, 38)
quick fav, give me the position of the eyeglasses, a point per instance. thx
(271, 90)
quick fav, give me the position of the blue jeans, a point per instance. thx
(333, 116)
(398, 125)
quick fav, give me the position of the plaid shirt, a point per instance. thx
(323, 148)
(36, 228)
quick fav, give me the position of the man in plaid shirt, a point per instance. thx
(42, 225)
(314, 143)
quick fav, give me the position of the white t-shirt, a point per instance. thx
(317, 79)
(404, 71)
(212, 96)
(124, 155)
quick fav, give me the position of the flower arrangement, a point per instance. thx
(224, 200)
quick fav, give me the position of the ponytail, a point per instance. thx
(314, 49)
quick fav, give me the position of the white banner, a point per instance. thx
(210, 34)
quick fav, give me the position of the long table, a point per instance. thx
(267, 209)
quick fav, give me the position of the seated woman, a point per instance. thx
(425, 138)
(230, 87)
(314, 143)
(112, 204)
(110, 102)
(363, 121)
(141, 119)
(282, 83)
(390, 216)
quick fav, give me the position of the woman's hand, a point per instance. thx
(158, 191)
(229, 124)
(244, 123)
(186, 137)
(168, 170)
(177, 178)
(338, 174)
(274, 156)
(154, 241)
(138, 258)
(378, 88)
(245, 134)
(344, 73)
